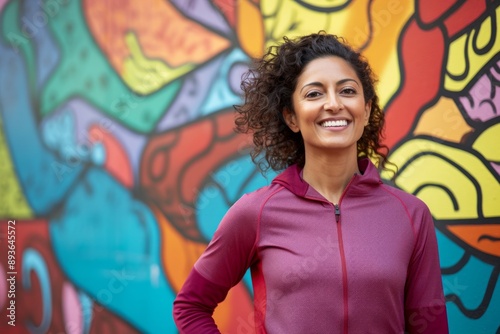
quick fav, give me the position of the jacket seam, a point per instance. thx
(412, 224)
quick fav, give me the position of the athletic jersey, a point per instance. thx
(368, 264)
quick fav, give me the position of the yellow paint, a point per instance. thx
(462, 58)
(13, 204)
(487, 143)
(291, 19)
(443, 121)
(146, 75)
(425, 163)
(250, 28)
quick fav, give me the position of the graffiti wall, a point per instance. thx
(118, 156)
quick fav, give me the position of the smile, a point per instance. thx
(329, 124)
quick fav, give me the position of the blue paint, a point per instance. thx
(221, 96)
(44, 177)
(106, 242)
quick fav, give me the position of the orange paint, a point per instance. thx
(483, 237)
(163, 32)
(250, 28)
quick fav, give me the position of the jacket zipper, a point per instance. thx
(342, 257)
(344, 266)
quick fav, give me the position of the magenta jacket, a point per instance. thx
(367, 265)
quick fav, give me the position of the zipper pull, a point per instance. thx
(337, 212)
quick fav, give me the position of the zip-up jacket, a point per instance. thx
(368, 264)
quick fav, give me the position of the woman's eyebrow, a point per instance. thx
(319, 84)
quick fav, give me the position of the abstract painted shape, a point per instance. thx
(456, 184)
(482, 101)
(85, 116)
(41, 282)
(222, 95)
(405, 105)
(117, 162)
(486, 144)
(473, 50)
(443, 121)
(72, 309)
(296, 18)
(97, 84)
(145, 75)
(192, 96)
(250, 28)
(485, 238)
(34, 265)
(164, 44)
(472, 295)
(12, 200)
(223, 187)
(37, 14)
(44, 178)
(107, 243)
(211, 13)
(175, 163)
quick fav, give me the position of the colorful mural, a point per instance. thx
(118, 155)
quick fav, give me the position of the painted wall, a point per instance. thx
(118, 158)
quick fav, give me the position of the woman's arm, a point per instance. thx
(221, 266)
(195, 304)
(425, 306)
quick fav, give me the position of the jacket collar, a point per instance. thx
(291, 179)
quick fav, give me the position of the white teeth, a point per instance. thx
(327, 124)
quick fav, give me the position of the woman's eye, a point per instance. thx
(312, 94)
(348, 91)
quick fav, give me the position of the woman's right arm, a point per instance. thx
(221, 266)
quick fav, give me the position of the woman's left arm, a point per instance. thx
(425, 306)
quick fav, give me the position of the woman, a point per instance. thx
(330, 247)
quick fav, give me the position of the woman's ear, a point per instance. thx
(290, 120)
(368, 110)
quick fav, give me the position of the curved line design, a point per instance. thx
(323, 9)
(442, 187)
(457, 266)
(483, 306)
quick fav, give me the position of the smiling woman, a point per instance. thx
(330, 247)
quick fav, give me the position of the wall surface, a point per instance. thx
(118, 156)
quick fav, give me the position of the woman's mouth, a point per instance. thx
(334, 124)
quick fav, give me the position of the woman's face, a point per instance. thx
(330, 108)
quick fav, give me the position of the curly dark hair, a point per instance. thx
(268, 87)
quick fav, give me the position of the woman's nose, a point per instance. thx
(333, 103)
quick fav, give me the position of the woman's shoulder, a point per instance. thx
(258, 197)
(407, 199)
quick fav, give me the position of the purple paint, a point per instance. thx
(482, 101)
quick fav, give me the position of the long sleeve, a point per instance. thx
(425, 307)
(195, 304)
(221, 266)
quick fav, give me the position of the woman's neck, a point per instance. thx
(330, 174)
